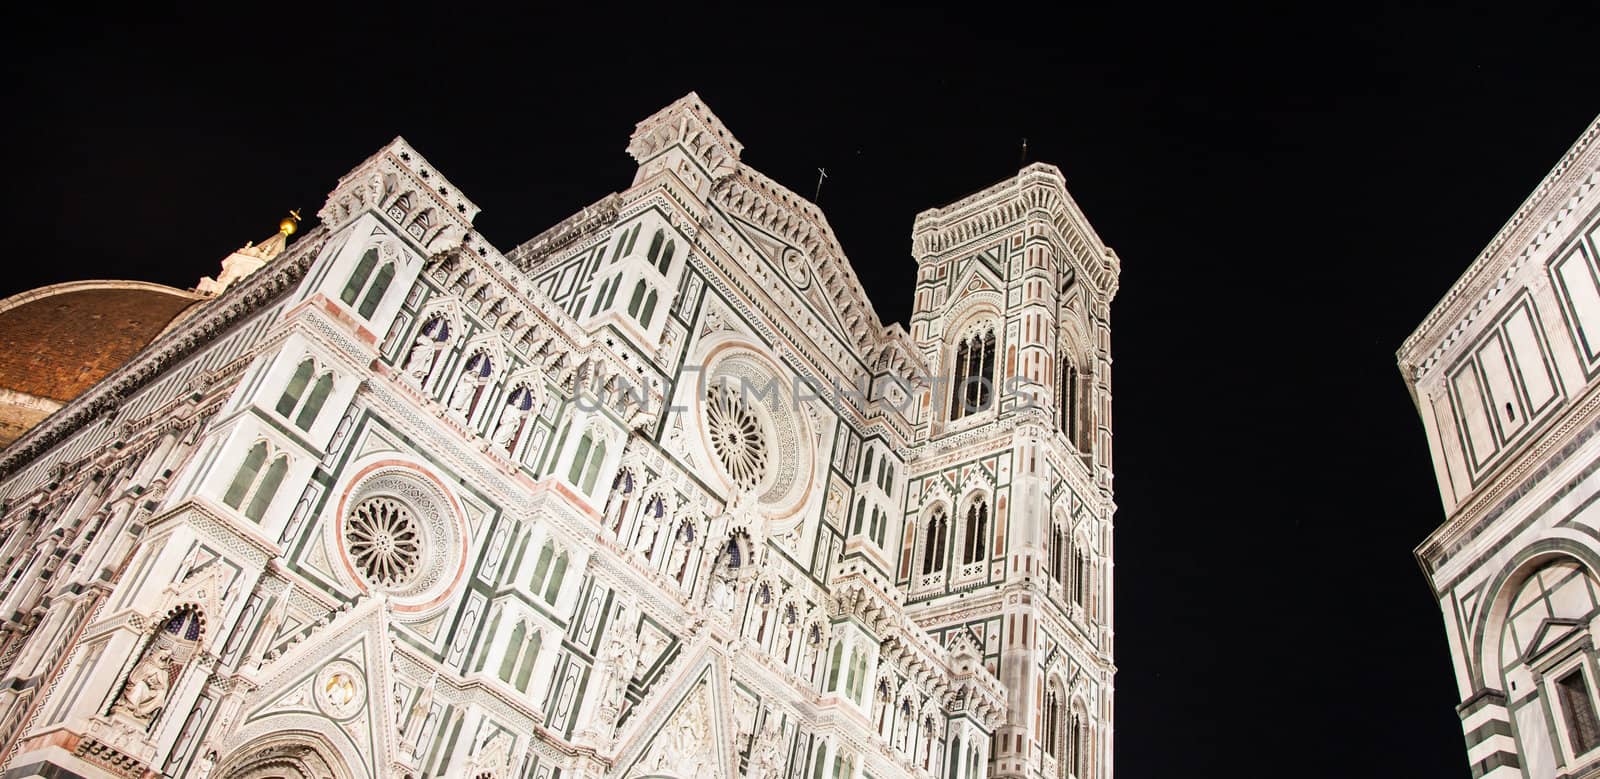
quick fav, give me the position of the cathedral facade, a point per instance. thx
(653, 494)
(1505, 373)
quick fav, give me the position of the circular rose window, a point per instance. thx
(755, 436)
(384, 541)
(399, 532)
(736, 435)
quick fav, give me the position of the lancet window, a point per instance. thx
(933, 548)
(367, 286)
(257, 480)
(300, 405)
(973, 388)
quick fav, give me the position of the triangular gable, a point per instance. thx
(1550, 634)
(687, 734)
(974, 277)
(802, 277)
(340, 677)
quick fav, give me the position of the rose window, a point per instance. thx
(384, 541)
(737, 437)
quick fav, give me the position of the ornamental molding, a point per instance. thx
(1038, 189)
(417, 669)
(689, 124)
(753, 197)
(1510, 483)
(398, 183)
(1536, 221)
(243, 299)
(524, 313)
(575, 229)
(247, 546)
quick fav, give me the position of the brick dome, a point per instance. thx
(57, 341)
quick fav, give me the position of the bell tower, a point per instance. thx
(1011, 489)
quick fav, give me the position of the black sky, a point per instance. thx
(1290, 193)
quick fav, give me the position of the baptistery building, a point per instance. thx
(653, 494)
(1505, 373)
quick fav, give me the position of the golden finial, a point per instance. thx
(290, 223)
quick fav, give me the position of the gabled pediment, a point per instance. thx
(687, 733)
(974, 276)
(337, 682)
(799, 270)
(1550, 634)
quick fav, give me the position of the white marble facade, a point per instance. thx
(1505, 373)
(655, 493)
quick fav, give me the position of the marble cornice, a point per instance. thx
(1507, 252)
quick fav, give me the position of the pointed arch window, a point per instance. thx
(933, 548)
(299, 405)
(1052, 722)
(660, 252)
(974, 547)
(858, 674)
(508, 664)
(642, 304)
(366, 286)
(633, 238)
(649, 311)
(256, 481)
(973, 390)
(637, 300)
(548, 572)
(1060, 549)
(1077, 746)
(359, 277)
(522, 651)
(586, 462)
(1069, 400)
(530, 655)
(1080, 576)
(295, 389)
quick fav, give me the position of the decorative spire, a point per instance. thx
(250, 257)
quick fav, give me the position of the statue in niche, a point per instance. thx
(420, 360)
(683, 746)
(148, 685)
(506, 430)
(462, 397)
(719, 595)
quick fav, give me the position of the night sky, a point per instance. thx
(1290, 195)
